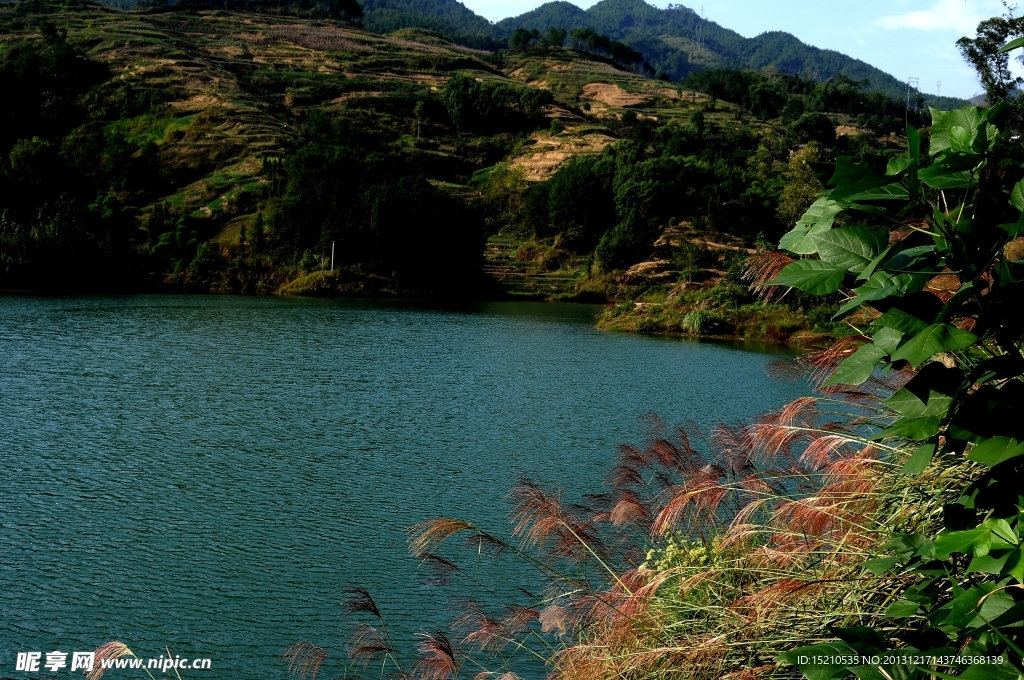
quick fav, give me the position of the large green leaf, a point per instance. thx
(932, 340)
(850, 248)
(818, 218)
(961, 139)
(993, 563)
(920, 460)
(858, 367)
(996, 450)
(951, 170)
(901, 321)
(950, 180)
(1012, 45)
(811, 276)
(896, 166)
(975, 541)
(906, 403)
(889, 192)
(910, 256)
(1017, 196)
(866, 294)
(915, 428)
(887, 339)
(874, 264)
(852, 179)
(902, 609)
(975, 612)
(969, 118)
(880, 565)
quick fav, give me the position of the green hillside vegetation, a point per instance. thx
(669, 39)
(233, 151)
(445, 16)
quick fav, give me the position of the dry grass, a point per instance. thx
(754, 538)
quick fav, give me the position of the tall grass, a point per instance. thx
(706, 555)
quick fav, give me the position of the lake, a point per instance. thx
(209, 473)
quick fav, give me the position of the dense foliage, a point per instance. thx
(621, 200)
(60, 210)
(446, 16)
(634, 24)
(490, 107)
(933, 264)
(379, 214)
(790, 97)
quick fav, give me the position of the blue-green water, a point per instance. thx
(209, 473)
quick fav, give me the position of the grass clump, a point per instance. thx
(707, 556)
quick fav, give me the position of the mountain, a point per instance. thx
(675, 40)
(446, 16)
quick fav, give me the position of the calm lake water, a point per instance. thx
(209, 473)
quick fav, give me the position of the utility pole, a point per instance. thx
(332, 256)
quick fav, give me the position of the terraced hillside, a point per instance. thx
(253, 153)
(233, 88)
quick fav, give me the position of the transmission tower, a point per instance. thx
(938, 88)
(913, 84)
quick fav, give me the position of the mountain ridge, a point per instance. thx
(676, 40)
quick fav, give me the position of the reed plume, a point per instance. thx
(706, 555)
(106, 653)
(304, 659)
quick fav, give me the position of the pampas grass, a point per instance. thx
(706, 556)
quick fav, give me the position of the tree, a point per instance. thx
(793, 109)
(522, 39)
(766, 101)
(555, 37)
(814, 127)
(349, 10)
(802, 186)
(993, 66)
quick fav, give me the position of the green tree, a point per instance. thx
(814, 127)
(802, 187)
(555, 37)
(992, 65)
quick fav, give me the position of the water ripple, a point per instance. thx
(208, 473)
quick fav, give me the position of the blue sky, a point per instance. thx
(907, 38)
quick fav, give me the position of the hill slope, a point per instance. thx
(677, 40)
(447, 16)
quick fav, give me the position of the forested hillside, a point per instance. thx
(236, 151)
(669, 38)
(450, 17)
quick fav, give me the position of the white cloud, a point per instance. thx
(958, 15)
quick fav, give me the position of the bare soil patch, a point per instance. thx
(550, 153)
(612, 95)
